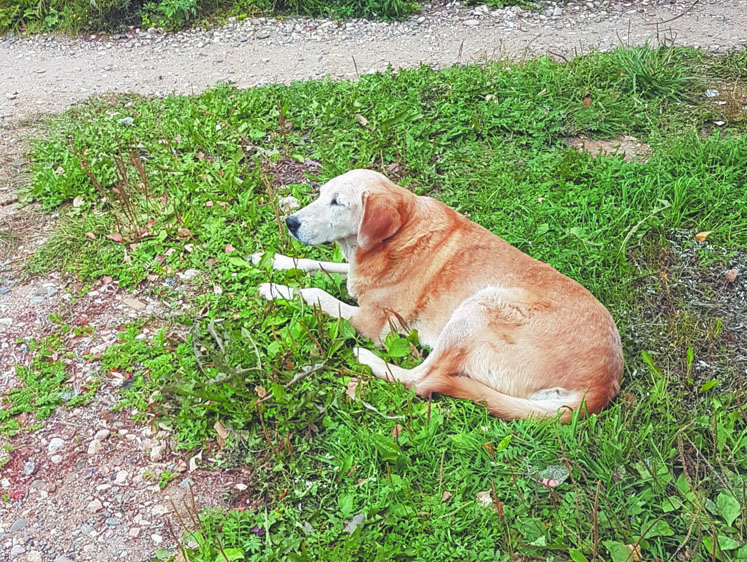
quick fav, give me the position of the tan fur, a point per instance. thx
(506, 330)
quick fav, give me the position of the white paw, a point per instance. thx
(369, 358)
(279, 261)
(271, 291)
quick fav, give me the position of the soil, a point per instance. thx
(78, 494)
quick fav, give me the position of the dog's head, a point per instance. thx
(361, 206)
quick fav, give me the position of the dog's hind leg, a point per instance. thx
(443, 363)
(279, 261)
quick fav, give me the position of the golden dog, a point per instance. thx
(505, 329)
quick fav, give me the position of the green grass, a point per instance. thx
(194, 183)
(45, 384)
(77, 16)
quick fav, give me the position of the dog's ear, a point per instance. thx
(381, 220)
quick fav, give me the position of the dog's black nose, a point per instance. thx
(292, 223)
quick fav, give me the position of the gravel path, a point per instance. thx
(48, 73)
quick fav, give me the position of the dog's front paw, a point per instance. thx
(272, 291)
(279, 261)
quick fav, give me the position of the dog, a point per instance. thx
(505, 329)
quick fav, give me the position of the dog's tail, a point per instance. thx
(507, 407)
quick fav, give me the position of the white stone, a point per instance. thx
(55, 444)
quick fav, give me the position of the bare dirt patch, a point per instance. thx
(695, 295)
(630, 147)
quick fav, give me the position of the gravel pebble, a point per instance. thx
(102, 434)
(94, 447)
(55, 444)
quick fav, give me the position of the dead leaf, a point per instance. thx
(549, 483)
(152, 277)
(445, 497)
(134, 246)
(362, 120)
(183, 232)
(229, 249)
(261, 392)
(210, 262)
(116, 236)
(193, 462)
(587, 101)
(106, 279)
(90, 236)
(78, 201)
(701, 236)
(489, 448)
(200, 155)
(189, 247)
(353, 523)
(635, 552)
(484, 498)
(178, 139)
(208, 204)
(135, 303)
(222, 433)
(731, 275)
(60, 171)
(350, 390)
(396, 430)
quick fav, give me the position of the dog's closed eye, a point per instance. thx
(335, 202)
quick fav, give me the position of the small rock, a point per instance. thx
(134, 532)
(159, 509)
(55, 445)
(94, 447)
(127, 121)
(711, 93)
(157, 539)
(56, 459)
(189, 274)
(29, 467)
(17, 550)
(186, 483)
(472, 23)
(34, 556)
(731, 275)
(37, 299)
(157, 453)
(241, 487)
(121, 477)
(288, 204)
(62, 559)
(102, 434)
(95, 506)
(18, 525)
(112, 522)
